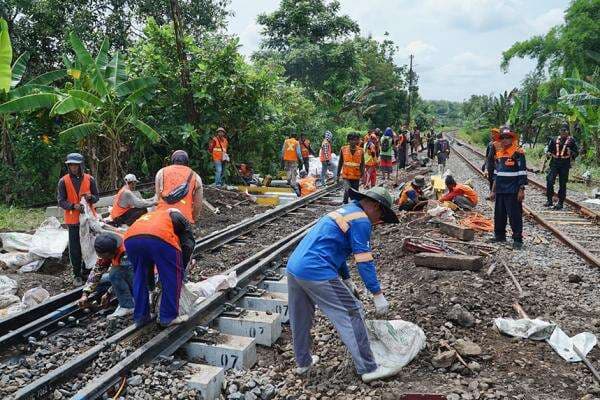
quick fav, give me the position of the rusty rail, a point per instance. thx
(586, 255)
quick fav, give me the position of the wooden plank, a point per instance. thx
(456, 231)
(449, 262)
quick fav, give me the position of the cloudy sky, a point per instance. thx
(457, 43)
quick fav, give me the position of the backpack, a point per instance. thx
(385, 144)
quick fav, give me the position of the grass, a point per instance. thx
(20, 219)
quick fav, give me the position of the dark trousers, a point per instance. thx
(305, 164)
(561, 169)
(75, 250)
(129, 217)
(350, 183)
(490, 179)
(402, 157)
(508, 207)
(430, 151)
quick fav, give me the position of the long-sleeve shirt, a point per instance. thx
(198, 191)
(102, 266)
(130, 199)
(510, 170)
(565, 151)
(185, 232)
(322, 254)
(76, 179)
(461, 190)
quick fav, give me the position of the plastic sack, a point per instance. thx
(442, 213)
(7, 300)
(89, 227)
(31, 267)
(395, 343)
(187, 299)
(15, 241)
(12, 309)
(7, 285)
(35, 296)
(14, 260)
(49, 240)
(208, 287)
(534, 329)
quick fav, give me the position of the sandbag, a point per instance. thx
(7, 300)
(395, 343)
(49, 240)
(213, 284)
(14, 260)
(15, 241)
(89, 227)
(35, 296)
(7, 285)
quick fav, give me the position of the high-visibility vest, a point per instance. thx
(325, 152)
(157, 223)
(116, 260)
(219, 147)
(404, 195)
(72, 216)
(304, 146)
(565, 151)
(370, 152)
(307, 185)
(289, 150)
(117, 210)
(173, 176)
(351, 167)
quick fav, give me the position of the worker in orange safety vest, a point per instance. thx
(307, 184)
(351, 165)
(290, 156)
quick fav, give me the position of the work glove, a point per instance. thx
(381, 304)
(351, 286)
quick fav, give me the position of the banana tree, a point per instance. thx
(361, 101)
(103, 105)
(20, 98)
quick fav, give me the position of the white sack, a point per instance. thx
(15, 241)
(7, 285)
(208, 287)
(31, 267)
(35, 296)
(7, 300)
(49, 240)
(395, 343)
(534, 329)
(89, 227)
(12, 309)
(563, 344)
(17, 259)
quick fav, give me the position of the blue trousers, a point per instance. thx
(218, 173)
(145, 252)
(508, 207)
(121, 280)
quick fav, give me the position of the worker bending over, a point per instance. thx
(509, 188)
(178, 186)
(72, 188)
(412, 197)
(462, 195)
(307, 184)
(127, 206)
(351, 164)
(561, 150)
(290, 156)
(318, 275)
(111, 267)
(165, 239)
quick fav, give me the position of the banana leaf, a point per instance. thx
(69, 104)
(84, 57)
(150, 133)
(26, 89)
(5, 57)
(48, 77)
(134, 85)
(87, 97)
(80, 131)
(115, 71)
(102, 57)
(29, 103)
(18, 69)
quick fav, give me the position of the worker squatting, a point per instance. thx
(160, 242)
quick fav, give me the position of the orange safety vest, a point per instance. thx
(117, 210)
(325, 155)
(307, 185)
(116, 260)
(173, 176)
(304, 145)
(157, 223)
(468, 192)
(289, 150)
(404, 195)
(351, 167)
(72, 216)
(219, 147)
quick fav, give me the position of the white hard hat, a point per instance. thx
(130, 178)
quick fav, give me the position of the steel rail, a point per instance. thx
(19, 327)
(167, 340)
(578, 206)
(586, 255)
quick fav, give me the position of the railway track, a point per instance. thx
(576, 225)
(39, 332)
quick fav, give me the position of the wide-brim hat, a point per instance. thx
(419, 181)
(74, 158)
(381, 196)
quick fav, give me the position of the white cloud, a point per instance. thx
(250, 38)
(542, 24)
(474, 15)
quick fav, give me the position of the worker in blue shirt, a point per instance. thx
(318, 276)
(508, 189)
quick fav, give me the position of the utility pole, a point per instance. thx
(410, 90)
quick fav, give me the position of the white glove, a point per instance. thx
(381, 304)
(351, 286)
